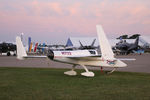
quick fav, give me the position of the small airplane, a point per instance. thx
(81, 57)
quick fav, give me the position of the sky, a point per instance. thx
(54, 21)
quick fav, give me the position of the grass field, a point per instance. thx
(52, 84)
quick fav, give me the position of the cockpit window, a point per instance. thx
(92, 52)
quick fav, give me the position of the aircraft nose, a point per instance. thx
(50, 54)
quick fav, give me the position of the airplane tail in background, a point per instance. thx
(105, 47)
(35, 47)
(93, 42)
(30, 49)
(21, 53)
(137, 41)
(81, 44)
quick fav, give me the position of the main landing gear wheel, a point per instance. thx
(87, 73)
(71, 72)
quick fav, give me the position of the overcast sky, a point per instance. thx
(53, 21)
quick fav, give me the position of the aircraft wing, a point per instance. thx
(94, 57)
(127, 59)
(35, 57)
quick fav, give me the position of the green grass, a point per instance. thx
(52, 84)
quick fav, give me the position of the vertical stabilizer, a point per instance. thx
(30, 49)
(81, 44)
(20, 48)
(105, 47)
(35, 47)
(137, 41)
(93, 43)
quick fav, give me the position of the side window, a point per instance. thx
(92, 52)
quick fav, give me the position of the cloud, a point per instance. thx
(74, 17)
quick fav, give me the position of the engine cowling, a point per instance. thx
(50, 54)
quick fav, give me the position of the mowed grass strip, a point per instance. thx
(52, 84)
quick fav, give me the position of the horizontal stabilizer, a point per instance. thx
(127, 59)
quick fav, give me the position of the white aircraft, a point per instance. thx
(81, 57)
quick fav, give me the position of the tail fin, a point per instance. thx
(137, 41)
(105, 47)
(21, 53)
(93, 42)
(30, 47)
(81, 45)
(35, 47)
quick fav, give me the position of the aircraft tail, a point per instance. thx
(105, 47)
(81, 44)
(137, 41)
(106, 50)
(35, 47)
(93, 43)
(21, 53)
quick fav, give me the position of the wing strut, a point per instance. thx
(112, 70)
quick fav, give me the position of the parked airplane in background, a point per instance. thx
(8, 49)
(82, 47)
(81, 57)
(125, 48)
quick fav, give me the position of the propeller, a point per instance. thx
(50, 54)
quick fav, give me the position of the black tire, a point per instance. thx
(14, 54)
(8, 54)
